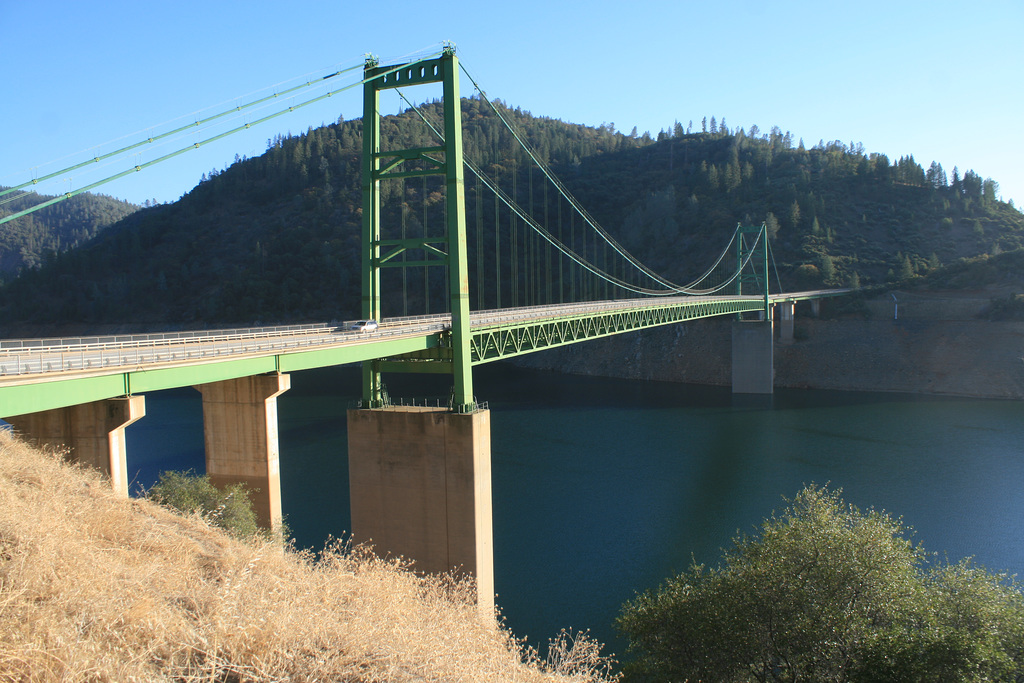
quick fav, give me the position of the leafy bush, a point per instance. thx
(228, 508)
(828, 593)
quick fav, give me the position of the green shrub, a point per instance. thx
(828, 593)
(190, 493)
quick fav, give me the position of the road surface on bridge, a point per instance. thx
(33, 359)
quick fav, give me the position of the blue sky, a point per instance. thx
(939, 80)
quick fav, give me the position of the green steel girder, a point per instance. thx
(429, 245)
(23, 395)
(441, 353)
(435, 360)
(505, 340)
(432, 367)
(398, 157)
(429, 71)
(342, 355)
(810, 295)
(23, 399)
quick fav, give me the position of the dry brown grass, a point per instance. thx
(97, 588)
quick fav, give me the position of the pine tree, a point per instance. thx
(794, 215)
(828, 269)
(906, 268)
(733, 178)
(713, 177)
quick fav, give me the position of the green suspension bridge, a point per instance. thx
(454, 274)
(545, 273)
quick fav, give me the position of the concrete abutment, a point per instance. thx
(420, 481)
(93, 433)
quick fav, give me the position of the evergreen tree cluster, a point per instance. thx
(33, 239)
(836, 214)
(277, 237)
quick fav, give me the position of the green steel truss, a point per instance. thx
(505, 340)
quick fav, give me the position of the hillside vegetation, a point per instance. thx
(276, 238)
(32, 240)
(95, 587)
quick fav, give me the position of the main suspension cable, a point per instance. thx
(196, 124)
(196, 145)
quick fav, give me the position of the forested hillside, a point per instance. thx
(28, 241)
(276, 238)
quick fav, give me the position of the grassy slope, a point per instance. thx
(93, 587)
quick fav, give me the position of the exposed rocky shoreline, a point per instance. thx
(934, 346)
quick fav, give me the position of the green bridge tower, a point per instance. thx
(420, 478)
(447, 250)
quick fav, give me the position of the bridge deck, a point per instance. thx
(41, 374)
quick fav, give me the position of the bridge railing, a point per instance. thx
(506, 315)
(100, 353)
(433, 318)
(156, 338)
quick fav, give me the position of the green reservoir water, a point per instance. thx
(603, 487)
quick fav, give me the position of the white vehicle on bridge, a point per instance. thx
(364, 326)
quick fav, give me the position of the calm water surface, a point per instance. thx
(603, 487)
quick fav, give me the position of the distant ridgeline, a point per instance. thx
(276, 237)
(29, 241)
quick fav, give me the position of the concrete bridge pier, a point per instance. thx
(785, 318)
(94, 433)
(240, 435)
(420, 481)
(753, 370)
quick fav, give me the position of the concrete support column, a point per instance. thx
(240, 434)
(752, 357)
(94, 433)
(420, 481)
(815, 307)
(785, 319)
